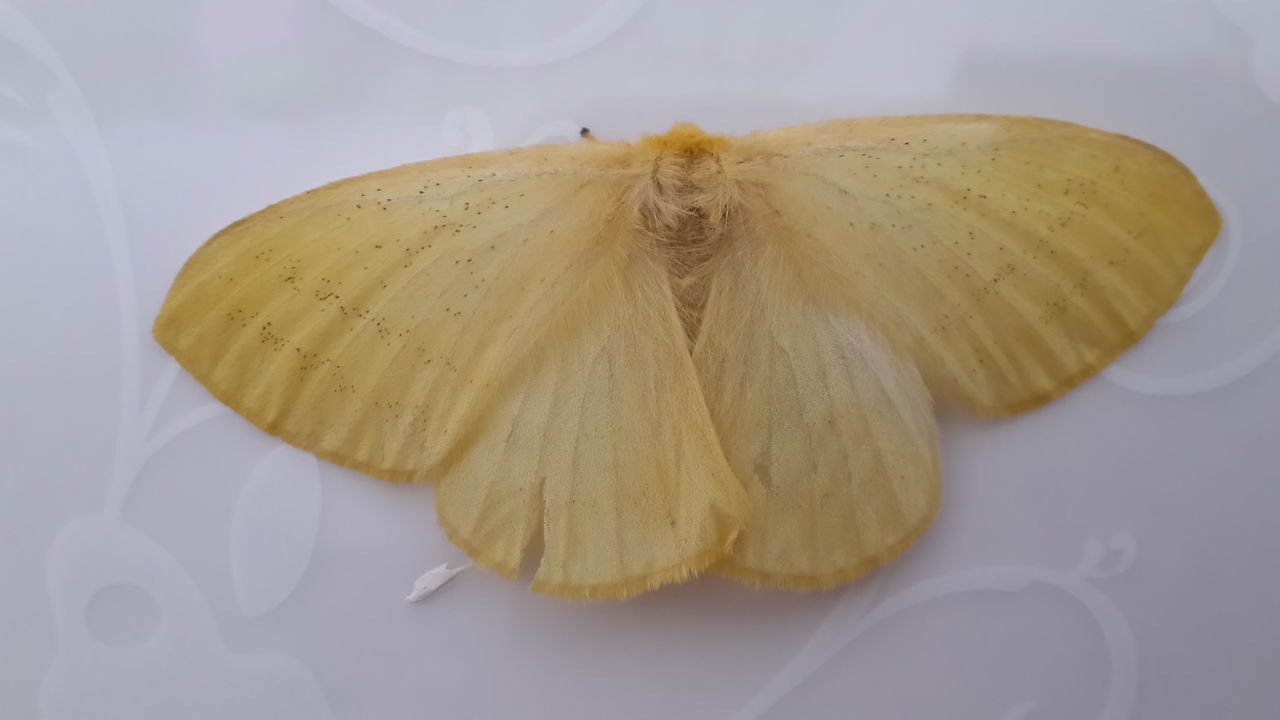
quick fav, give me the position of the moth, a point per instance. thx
(692, 352)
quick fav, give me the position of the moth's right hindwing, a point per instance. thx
(830, 430)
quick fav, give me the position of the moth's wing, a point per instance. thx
(1010, 257)
(831, 432)
(608, 433)
(492, 321)
(355, 320)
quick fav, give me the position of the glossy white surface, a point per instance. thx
(1111, 556)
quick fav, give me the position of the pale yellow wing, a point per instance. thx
(831, 431)
(604, 444)
(1011, 258)
(493, 321)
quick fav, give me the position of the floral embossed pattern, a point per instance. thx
(1111, 556)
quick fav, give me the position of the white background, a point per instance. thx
(1114, 555)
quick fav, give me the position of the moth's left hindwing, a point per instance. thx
(492, 321)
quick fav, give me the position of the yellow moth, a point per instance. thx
(691, 352)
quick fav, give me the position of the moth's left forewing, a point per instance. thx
(369, 319)
(494, 322)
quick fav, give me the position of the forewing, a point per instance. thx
(367, 320)
(491, 321)
(1011, 258)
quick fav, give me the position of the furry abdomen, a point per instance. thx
(683, 198)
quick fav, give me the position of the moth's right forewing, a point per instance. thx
(1010, 257)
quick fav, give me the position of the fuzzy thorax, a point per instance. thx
(684, 200)
(683, 138)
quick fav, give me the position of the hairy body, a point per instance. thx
(691, 352)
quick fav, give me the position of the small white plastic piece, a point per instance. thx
(433, 580)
